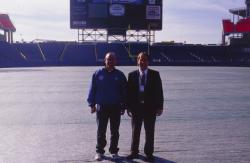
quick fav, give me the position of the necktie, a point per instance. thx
(143, 79)
(141, 91)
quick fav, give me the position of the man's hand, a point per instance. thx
(93, 109)
(159, 112)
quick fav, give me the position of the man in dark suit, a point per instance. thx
(145, 102)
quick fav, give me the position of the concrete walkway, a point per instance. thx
(44, 117)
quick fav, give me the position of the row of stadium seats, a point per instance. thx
(92, 54)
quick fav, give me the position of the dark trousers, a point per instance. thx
(103, 115)
(149, 125)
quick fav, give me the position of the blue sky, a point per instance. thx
(193, 21)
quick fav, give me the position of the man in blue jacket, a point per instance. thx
(106, 98)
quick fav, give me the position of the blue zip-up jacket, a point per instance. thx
(107, 88)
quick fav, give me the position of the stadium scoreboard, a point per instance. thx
(116, 14)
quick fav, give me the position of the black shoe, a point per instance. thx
(149, 158)
(132, 156)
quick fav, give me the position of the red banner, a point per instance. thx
(242, 26)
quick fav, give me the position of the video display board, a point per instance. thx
(116, 14)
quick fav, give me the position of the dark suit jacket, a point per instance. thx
(153, 94)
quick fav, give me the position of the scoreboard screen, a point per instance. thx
(116, 14)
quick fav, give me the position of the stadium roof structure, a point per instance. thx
(238, 30)
(6, 24)
(239, 11)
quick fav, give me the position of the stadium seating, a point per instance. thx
(32, 53)
(92, 54)
(52, 52)
(79, 54)
(10, 56)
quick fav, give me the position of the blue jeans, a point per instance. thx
(107, 113)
